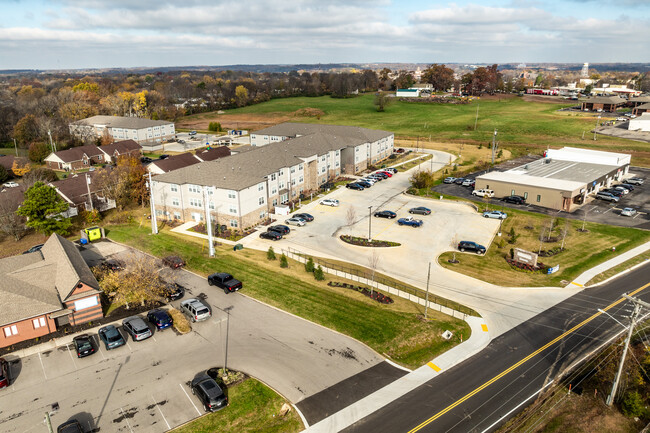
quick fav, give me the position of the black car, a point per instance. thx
(355, 185)
(385, 214)
(173, 262)
(282, 229)
(616, 192)
(305, 216)
(627, 186)
(209, 392)
(392, 170)
(459, 181)
(364, 184)
(84, 345)
(421, 210)
(160, 318)
(514, 199)
(163, 156)
(471, 246)
(146, 160)
(71, 426)
(111, 337)
(173, 291)
(5, 380)
(34, 249)
(376, 177)
(380, 174)
(274, 236)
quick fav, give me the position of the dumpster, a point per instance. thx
(93, 233)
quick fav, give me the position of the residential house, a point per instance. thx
(76, 189)
(120, 148)
(174, 162)
(45, 290)
(75, 158)
(143, 131)
(7, 161)
(213, 153)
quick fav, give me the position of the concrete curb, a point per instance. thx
(623, 272)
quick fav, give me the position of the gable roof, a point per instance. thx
(121, 122)
(606, 100)
(11, 199)
(641, 99)
(75, 188)
(643, 106)
(212, 154)
(76, 153)
(121, 147)
(175, 162)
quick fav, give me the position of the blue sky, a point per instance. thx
(62, 34)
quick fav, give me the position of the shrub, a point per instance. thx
(270, 254)
(38, 151)
(632, 404)
(318, 274)
(284, 263)
(181, 324)
(92, 217)
(215, 126)
(309, 265)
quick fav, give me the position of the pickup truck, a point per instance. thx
(224, 281)
(410, 221)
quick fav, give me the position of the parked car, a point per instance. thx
(355, 186)
(295, 221)
(468, 182)
(449, 179)
(364, 184)
(483, 193)
(410, 221)
(391, 170)
(514, 199)
(459, 180)
(495, 214)
(72, 426)
(137, 328)
(628, 211)
(209, 392)
(224, 281)
(626, 186)
(146, 160)
(329, 202)
(111, 337)
(616, 192)
(10, 185)
(282, 229)
(5, 377)
(113, 265)
(192, 133)
(173, 291)
(602, 195)
(471, 246)
(34, 249)
(634, 181)
(195, 309)
(84, 345)
(376, 177)
(370, 180)
(619, 188)
(163, 156)
(381, 175)
(173, 262)
(160, 318)
(305, 216)
(420, 210)
(385, 173)
(274, 236)
(385, 214)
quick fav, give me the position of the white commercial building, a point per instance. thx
(142, 131)
(641, 123)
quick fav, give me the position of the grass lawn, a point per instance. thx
(620, 268)
(521, 125)
(253, 407)
(583, 250)
(395, 330)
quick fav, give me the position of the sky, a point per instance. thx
(77, 34)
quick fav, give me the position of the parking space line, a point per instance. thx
(72, 357)
(42, 366)
(100, 351)
(159, 410)
(154, 338)
(188, 397)
(383, 230)
(125, 419)
(128, 345)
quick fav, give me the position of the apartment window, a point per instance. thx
(233, 209)
(262, 215)
(337, 153)
(281, 185)
(194, 188)
(273, 176)
(11, 330)
(323, 170)
(539, 198)
(293, 169)
(176, 202)
(211, 205)
(281, 172)
(301, 180)
(274, 191)
(39, 323)
(526, 195)
(260, 187)
(356, 149)
(275, 202)
(323, 158)
(293, 181)
(300, 167)
(337, 163)
(210, 191)
(195, 202)
(177, 215)
(231, 194)
(174, 188)
(260, 201)
(99, 157)
(233, 223)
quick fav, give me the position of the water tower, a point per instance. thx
(585, 71)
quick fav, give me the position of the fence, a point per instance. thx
(365, 276)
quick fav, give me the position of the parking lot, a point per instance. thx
(593, 210)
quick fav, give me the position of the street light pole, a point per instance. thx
(225, 356)
(597, 121)
(369, 223)
(494, 144)
(16, 146)
(426, 301)
(154, 223)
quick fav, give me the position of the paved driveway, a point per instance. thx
(143, 386)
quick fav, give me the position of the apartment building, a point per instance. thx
(142, 131)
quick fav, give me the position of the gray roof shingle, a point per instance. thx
(77, 153)
(290, 129)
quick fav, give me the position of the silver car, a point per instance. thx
(195, 310)
(628, 211)
(137, 327)
(495, 214)
(295, 222)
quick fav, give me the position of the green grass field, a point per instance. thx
(521, 125)
(395, 330)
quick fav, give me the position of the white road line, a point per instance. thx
(128, 345)
(127, 421)
(161, 414)
(71, 357)
(188, 397)
(154, 338)
(42, 366)
(100, 351)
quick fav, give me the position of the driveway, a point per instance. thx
(143, 386)
(503, 308)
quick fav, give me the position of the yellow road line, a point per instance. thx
(383, 230)
(577, 284)
(520, 363)
(484, 327)
(434, 366)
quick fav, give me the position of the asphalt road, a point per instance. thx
(482, 392)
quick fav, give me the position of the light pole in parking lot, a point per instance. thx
(369, 223)
(225, 355)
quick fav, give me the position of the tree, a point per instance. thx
(20, 167)
(124, 183)
(40, 174)
(382, 101)
(241, 95)
(270, 254)
(38, 151)
(350, 216)
(440, 76)
(318, 274)
(309, 265)
(4, 174)
(422, 179)
(42, 208)
(284, 263)
(11, 223)
(26, 130)
(373, 262)
(404, 80)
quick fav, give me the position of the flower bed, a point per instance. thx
(364, 242)
(551, 252)
(541, 267)
(377, 296)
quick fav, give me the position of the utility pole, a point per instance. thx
(597, 121)
(426, 299)
(51, 142)
(476, 121)
(369, 223)
(494, 145)
(16, 146)
(90, 199)
(637, 307)
(154, 223)
(208, 222)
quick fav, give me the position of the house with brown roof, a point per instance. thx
(77, 188)
(45, 290)
(75, 158)
(174, 162)
(119, 148)
(603, 103)
(212, 153)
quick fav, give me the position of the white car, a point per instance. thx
(370, 180)
(495, 214)
(622, 119)
(628, 211)
(295, 222)
(483, 193)
(329, 202)
(621, 189)
(10, 185)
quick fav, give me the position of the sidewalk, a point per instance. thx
(344, 418)
(584, 278)
(184, 229)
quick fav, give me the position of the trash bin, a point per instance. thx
(238, 247)
(93, 233)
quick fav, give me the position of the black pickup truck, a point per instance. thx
(225, 281)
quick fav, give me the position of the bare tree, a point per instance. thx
(350, 216)
(454, 246)
(373, 262)
(565, 231)
(10, 222)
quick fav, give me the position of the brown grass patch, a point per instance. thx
(181, 324)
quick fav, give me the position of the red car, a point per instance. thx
(4, 373)
(173, 262)
(387, 173)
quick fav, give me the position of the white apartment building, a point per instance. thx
(244, 188)
(142, 131)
